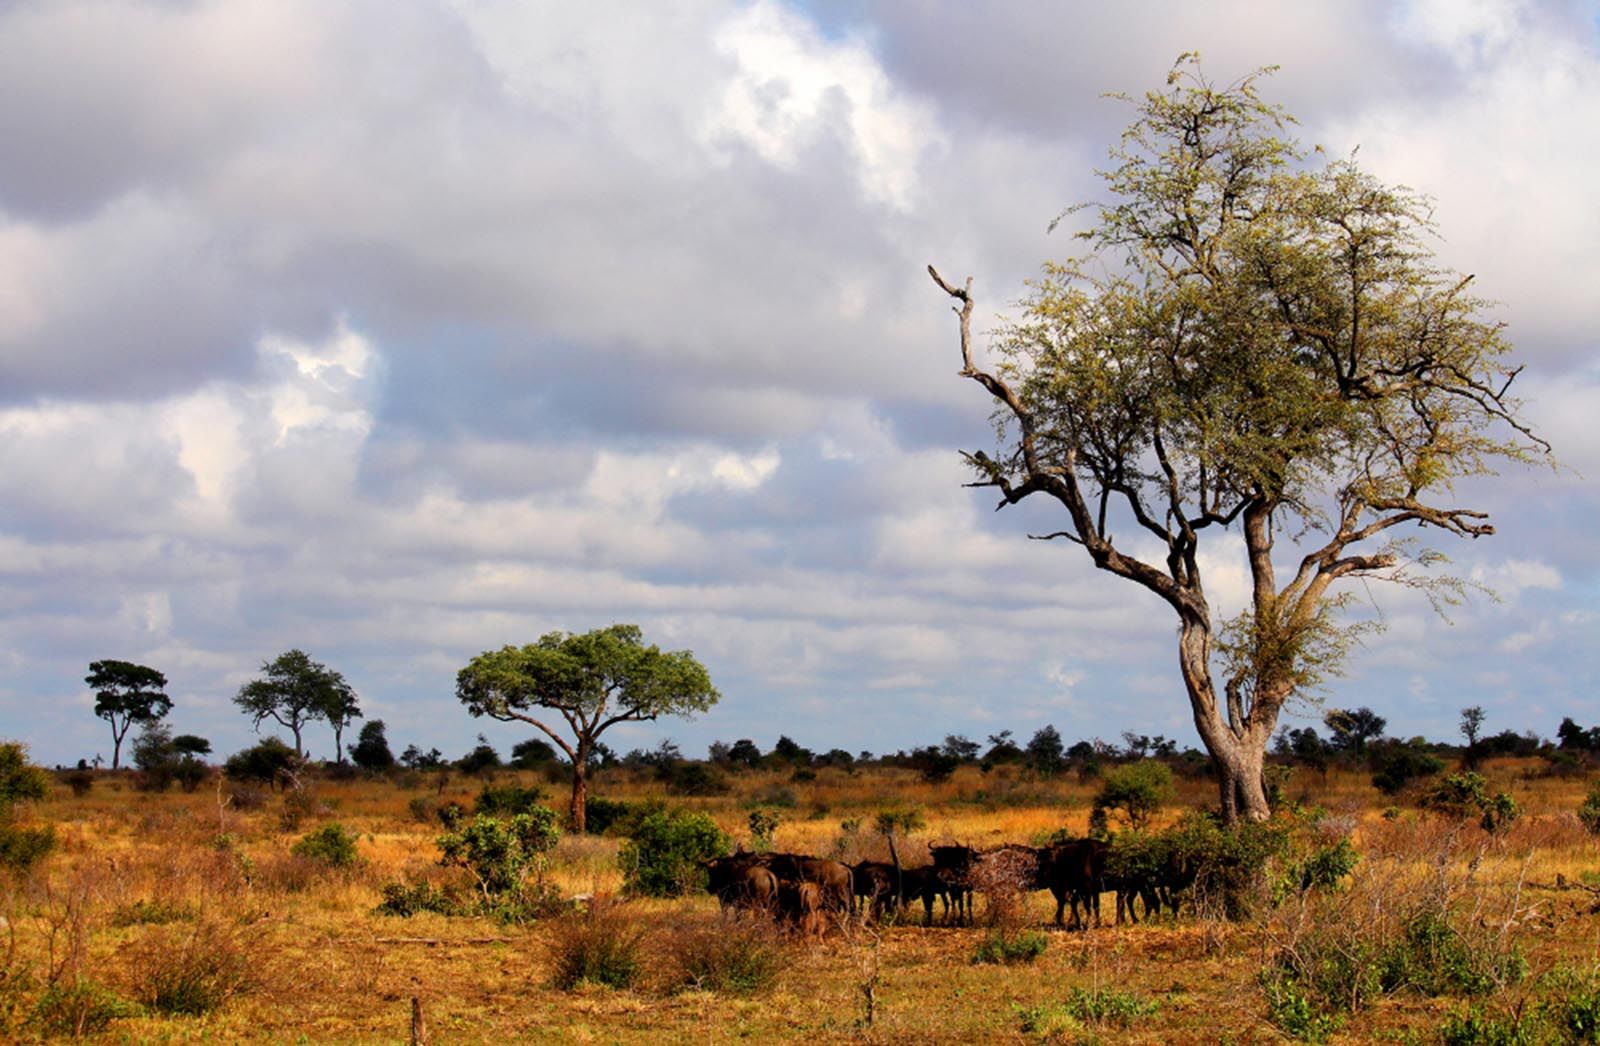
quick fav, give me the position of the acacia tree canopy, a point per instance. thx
(296, 690)
(126, 693)
(592, 681)
(1253, 342)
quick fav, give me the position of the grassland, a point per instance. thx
(143, 883)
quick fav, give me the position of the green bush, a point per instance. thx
(1108, 1006)
(79, 1009)
(269, 762)
(1476, 1028)
(615, 816)
(192, 974)
(1137, 789)
(1433, 958)
(1589, 811)
(1465, 795)
(507, 800)
(330, 845)
(21, 847)
(499, 853)
(1011, 949)
(405, 901)
(1398, 763)
(1295, 1012)
(663, 854)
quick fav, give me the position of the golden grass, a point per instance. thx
(324, 967)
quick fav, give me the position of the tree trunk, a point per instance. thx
(338, 744)
(1238, 750)
(299, 749)
(580, 791)
(116, 745)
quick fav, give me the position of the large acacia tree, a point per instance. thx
(126, 693)
(1253, 344)
(592, 681)
(294, 690)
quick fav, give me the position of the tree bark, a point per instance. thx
(1238, 750)
(580, 791)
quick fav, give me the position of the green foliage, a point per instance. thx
(1399, 763)
(602, 945)
(1011, 948)
(21, 846)
(663, 854)
(1573, 1008)
(505, 800)
(1324, 867)
(269, 762)
(79, 1008)
(1294, 1012)
(763, 823)
(1474, 1027)
(497, 853)
(151, 913)
(616, 816)
(126, 693)
(1108, 1006)
(1464, 794)
(1433, 958)
(371, 750)
(330, 845)
(1138, 790)
(400, 899)
(1589, 809)
(295, 690)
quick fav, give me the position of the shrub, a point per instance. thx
(763, 823)
(603, 816)
(1574, 1007)
(739, 959)
(1294, 1012)
(79, 1008)
(603, 945)
(1011, 949)
(507, 799)
(151, 913)
(499, 853)
(80, 781)
(1589, 810)
(330, 845)
(1137, 789)
(423, 808)
(1465, 795)
(21, 847)
(269, 762)
(405, 901)
(663, 854)
(1475, 1028)
(1398, 763)
(1108, 1006)
(192, 974)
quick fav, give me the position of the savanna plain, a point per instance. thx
(284, 945)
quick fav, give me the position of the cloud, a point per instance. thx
(399, 333)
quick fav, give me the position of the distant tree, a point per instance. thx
(837, 757)
(934, 763)
(789, 751)
(1044, 750)
(269, 762)
(295, 691)
(1471, 724)
(1352, 729)
(191, 745)
(481, 759)
(1138, 790)
(531, 754)
(961, 749)
(125, 694)
(1002, 749)
(744, 752)
(592, 681)
(371, 750)
(155, 756)
(1304, 746)
(416, 759)
(1571, 736)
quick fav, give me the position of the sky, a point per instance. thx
(401, 332)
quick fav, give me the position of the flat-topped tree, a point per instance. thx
(592, 681)
(1259, 343)
(124, 694)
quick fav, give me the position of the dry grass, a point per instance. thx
(184, 875)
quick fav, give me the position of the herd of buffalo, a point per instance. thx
(805, 892)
